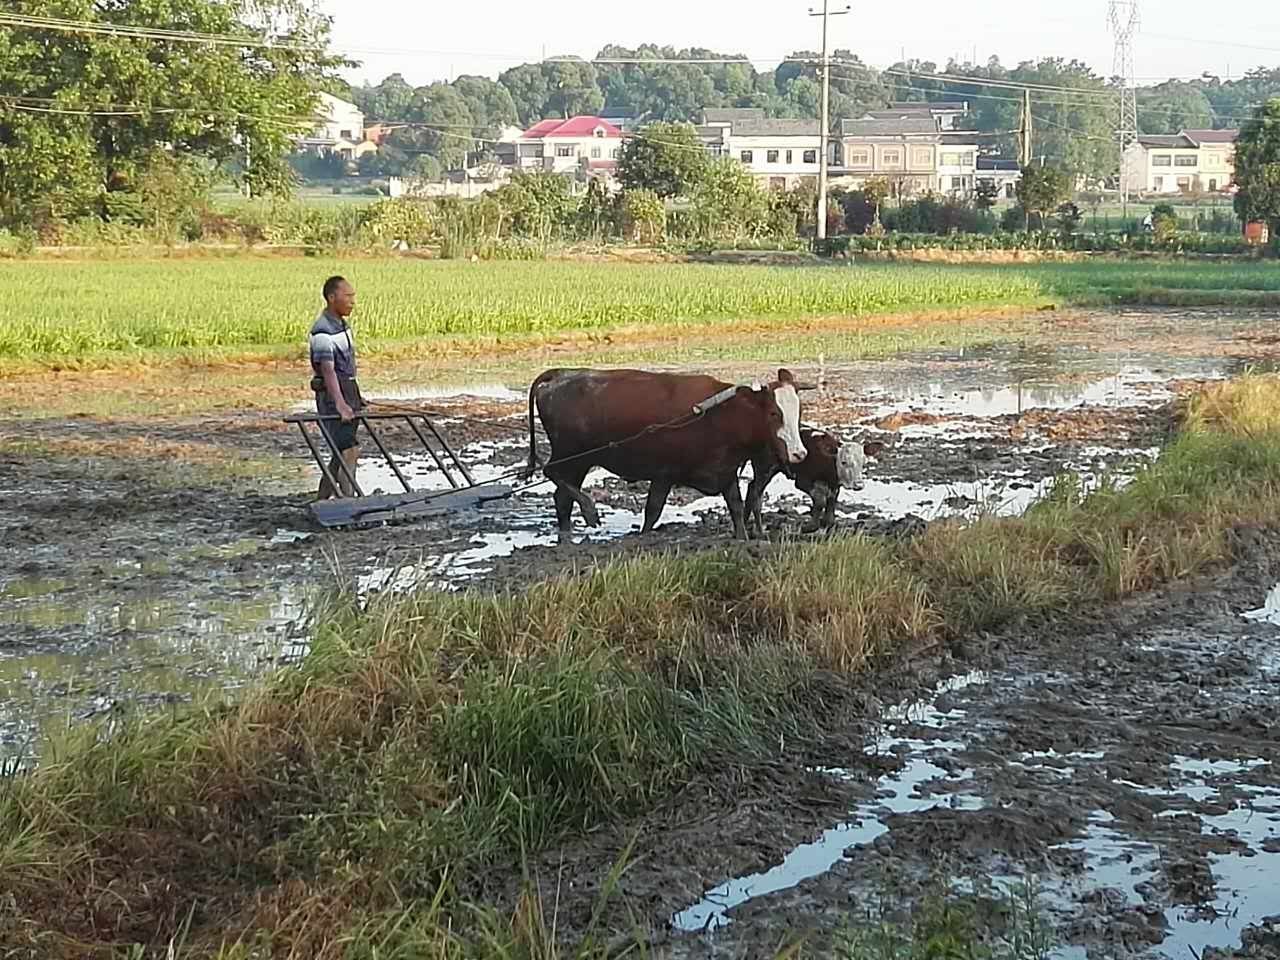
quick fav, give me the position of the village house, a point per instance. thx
(943, 112)
(913, 154)
(1191, 161)
(338, 130)
(781, 154)
(1001, 174)
(581, 144)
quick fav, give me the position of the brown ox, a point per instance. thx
(828, 465)
(662, 427)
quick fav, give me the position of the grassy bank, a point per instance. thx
(67, 313)
(356, 805)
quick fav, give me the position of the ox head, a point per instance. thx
(784, 419)
(851, 461)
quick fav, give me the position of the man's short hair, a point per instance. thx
(331, 286)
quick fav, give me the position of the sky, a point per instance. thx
(428, 40)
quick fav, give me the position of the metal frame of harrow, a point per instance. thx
(365, 508)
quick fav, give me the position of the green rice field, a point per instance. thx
(58, 311)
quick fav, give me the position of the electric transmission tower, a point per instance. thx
(1125, 19)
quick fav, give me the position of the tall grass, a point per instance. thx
(361, 801)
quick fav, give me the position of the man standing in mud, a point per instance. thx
(333, 365)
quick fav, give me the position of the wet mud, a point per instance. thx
(1128, 763)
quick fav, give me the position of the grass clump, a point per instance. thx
(358, 803)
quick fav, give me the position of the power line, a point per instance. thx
(150, 33)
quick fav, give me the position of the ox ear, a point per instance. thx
(873, 448)
(784, 376)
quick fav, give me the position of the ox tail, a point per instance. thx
(531, 467)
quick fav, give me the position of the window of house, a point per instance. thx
(1184, 183)
(951, 159)
(771, 156)
(746, 156)
(788, 156)
(346, 134)
(968, 158)
(1157, 183)
(1161, 160)
(957, 183)
(564, 151)
(598, 132)
(1184, 160)
(595, 153)
(616, 153)
(924, 156)
(892, 158)
(1213, 185)
(811, 156)
(859, 158)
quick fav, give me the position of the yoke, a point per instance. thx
(411, 504)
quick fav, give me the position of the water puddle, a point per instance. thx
(1269, 612)
(898, 793)
(144, 651)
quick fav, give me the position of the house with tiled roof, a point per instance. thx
(913, 153)
(583, 143)
(781, 154)
(1190, 161)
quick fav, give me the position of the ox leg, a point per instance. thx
(564, 510)
(659, 490)
(570, 481)
(823, 504)
(733, 499)
(761, 475)
(829, 515)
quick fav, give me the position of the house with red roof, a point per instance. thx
(588, 144)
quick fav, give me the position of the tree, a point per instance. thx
(527, 86)
(728, 204)
(1042, 189)
(985, 194)
(643, 216)
(1258, 168)
(1173, 106)
(489, 103)
(1069, 218)
(876, 191)
(667, 158)
(217, 103)
(1164, 223)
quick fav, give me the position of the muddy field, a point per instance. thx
(1128, 762)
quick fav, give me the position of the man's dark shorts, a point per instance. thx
(343, 434)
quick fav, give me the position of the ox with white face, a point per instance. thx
(788, 400)
(851, 461)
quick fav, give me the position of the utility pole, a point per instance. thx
(825, 122)
(1125, 19)
(1024, 131)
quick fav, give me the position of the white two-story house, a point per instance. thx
(1193, 161)
(568, 146)
(781, 154)
(338, 129)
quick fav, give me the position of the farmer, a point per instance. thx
(333, 363)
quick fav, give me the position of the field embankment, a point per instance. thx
(100, 313)
(387, 786)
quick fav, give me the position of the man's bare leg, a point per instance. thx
(349, 457)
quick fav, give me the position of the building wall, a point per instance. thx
(344, 120)
(1175, 170)
(777, 158)
(957, 169)
(565, 154)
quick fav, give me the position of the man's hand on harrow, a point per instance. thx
(345, 412)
